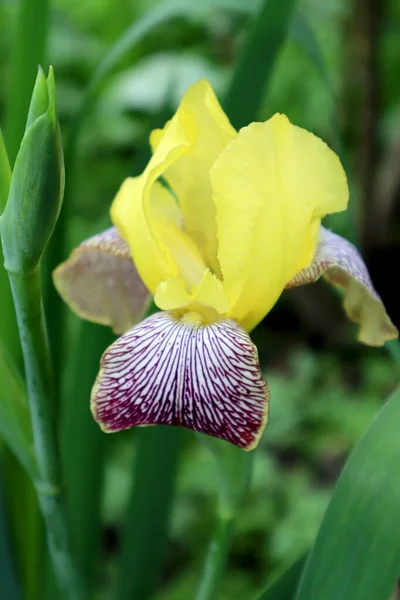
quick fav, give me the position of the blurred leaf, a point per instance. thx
(26, 534)
(265, 38)
(84, 472)
(393, 348)
(151, 19)
(28, 52)
(134, 89)
(8, 325)
(146, 529)
(15, 426)
(356, 554)
(8, 582)
(234, 468)
(284, 588)
(302, 32)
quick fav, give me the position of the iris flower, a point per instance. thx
(216, 227)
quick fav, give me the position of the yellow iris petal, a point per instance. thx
(152, 262)
(148, 218)
(271, 185)
(211, 293)
(146, 214)
(171, 294)
(209, 130)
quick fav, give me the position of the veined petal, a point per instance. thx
(209, 130)
(271, 186)
(173, 372)
(341, 264)
(101, 284)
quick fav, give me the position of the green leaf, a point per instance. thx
(15, 426)
(145, 533)
(26, 534)
(158, 15)
(29, 49)
(5, 173)
(234, 468)
(357, 551)
(284, 588)
(84, 471)
(8, 583)
(301, 31)
(257, 59)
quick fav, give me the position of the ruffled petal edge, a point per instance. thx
(340, 263)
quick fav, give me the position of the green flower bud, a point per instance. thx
(37, 183)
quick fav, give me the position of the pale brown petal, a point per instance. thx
(101, 284)
(341, 264)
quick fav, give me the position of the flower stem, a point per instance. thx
(27, 295)
(216, 559)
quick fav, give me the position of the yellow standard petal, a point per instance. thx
(209, 131)
(271, 186)
(148, 218)
(173, 244)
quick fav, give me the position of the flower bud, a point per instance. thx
(37, 183)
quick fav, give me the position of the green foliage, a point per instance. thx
(8, 581)
(355, 555)
(145, 535)
(256, 61)
(28, 51)
(15, 423)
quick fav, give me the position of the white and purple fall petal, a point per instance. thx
(177, 371)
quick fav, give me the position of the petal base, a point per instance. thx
(174, 371)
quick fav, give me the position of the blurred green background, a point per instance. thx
(337, 74)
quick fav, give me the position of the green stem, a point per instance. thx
(146, 531)
(216, 559)
(27, 297)
(20, 497)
